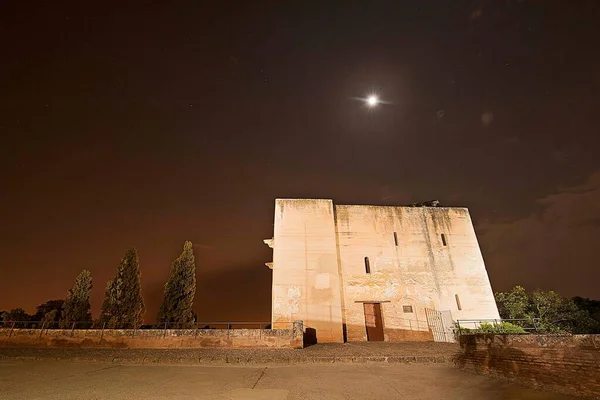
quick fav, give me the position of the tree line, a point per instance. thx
(123, 305)
(552, 312)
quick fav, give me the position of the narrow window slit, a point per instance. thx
(367, 265)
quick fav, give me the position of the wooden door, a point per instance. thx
(373, 322)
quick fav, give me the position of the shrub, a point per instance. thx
(505, 328)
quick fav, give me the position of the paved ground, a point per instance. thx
(45, 379)
(349, 352)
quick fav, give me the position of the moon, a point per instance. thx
(372, 100)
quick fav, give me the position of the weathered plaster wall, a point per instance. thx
(420, 271)
(154, 338)
(319, 268)
(305, 268)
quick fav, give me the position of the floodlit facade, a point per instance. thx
(359, 273)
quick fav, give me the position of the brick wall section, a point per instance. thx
(405, 335)
(155, 338)
(567, 364)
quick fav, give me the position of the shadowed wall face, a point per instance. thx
(331, 260)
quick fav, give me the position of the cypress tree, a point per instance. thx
(180, 289)
(123, 305)
(77, 303)
(109, 311)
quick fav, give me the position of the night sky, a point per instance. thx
(150, 125)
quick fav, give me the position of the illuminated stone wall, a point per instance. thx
(319, 273)
(305, 270)
(419, 272)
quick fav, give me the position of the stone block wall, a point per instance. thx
(567, 364)
(154, 338)
(306, 283)
(410, 265)
(329, 260)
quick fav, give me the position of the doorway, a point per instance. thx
(373, 322)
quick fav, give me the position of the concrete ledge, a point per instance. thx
(245, 360)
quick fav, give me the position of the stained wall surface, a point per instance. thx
(410, 267)
(320, 275)
(306, 284)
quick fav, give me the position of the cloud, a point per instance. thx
(487, 118)
(512, 141)
(455, 197)
(565, 154)
(553, 248)
(476, 13)
(392, 195)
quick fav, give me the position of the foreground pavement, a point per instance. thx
(46, 379)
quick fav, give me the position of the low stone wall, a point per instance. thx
(567, 364)
(154, 338)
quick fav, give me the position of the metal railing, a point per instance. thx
(236, 325)
(475, 325)
(414, 324)
(62, 325)
(86, 325)
(98, 329)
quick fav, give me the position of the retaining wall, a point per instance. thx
(154, 338)
(567, 364)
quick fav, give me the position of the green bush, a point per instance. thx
(499, 328)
